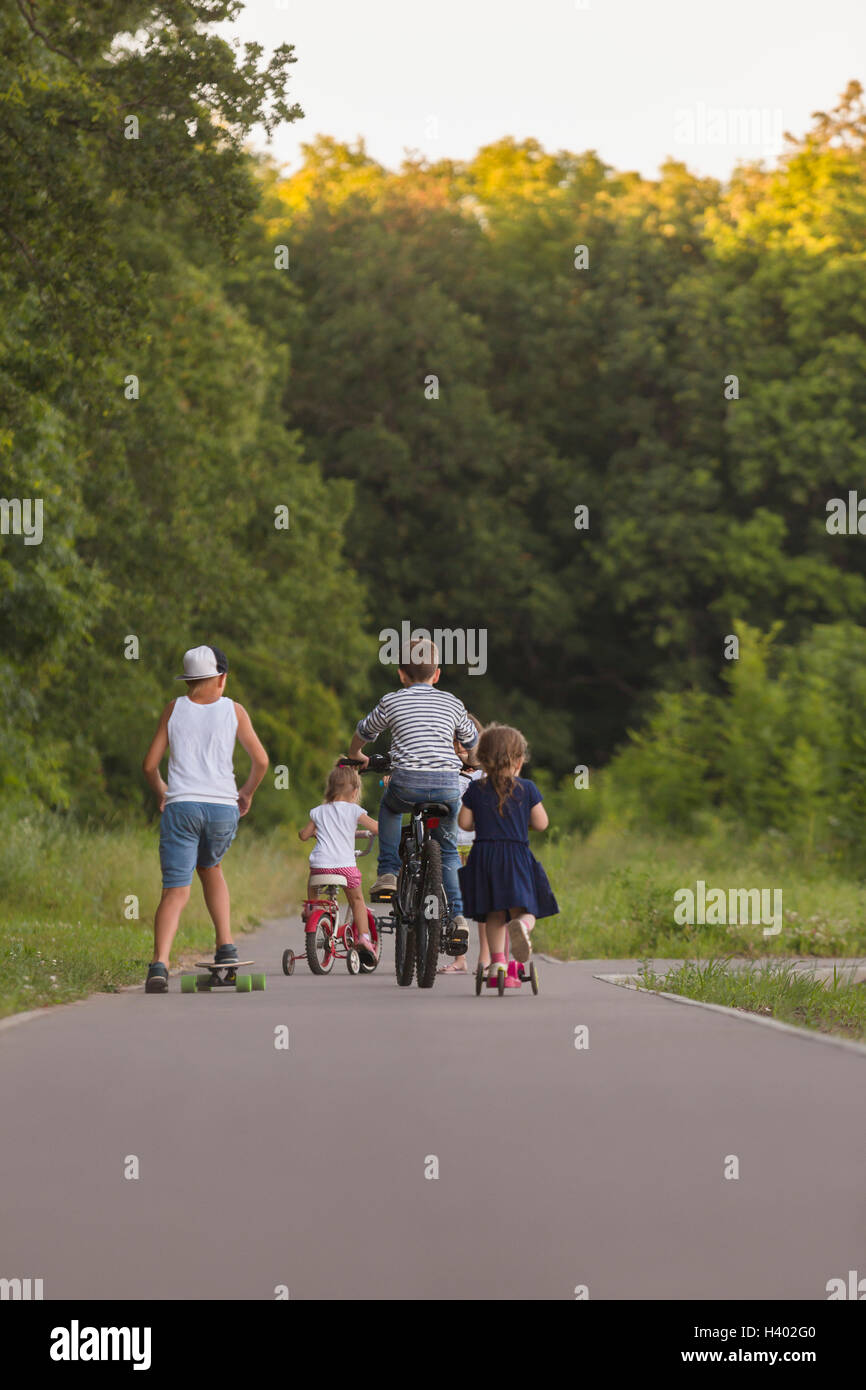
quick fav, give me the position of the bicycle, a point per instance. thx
(326, 937)
(420, 917)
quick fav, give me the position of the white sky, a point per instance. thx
(636, 80)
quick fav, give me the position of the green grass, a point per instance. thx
(775, 990)
(64, 933)
(616, 896)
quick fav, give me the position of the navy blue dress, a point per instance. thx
(501, 871)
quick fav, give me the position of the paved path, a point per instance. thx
(557, 1167)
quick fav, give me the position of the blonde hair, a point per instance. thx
(499, 748)
(342, 781)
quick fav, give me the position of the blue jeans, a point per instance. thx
(408, 789)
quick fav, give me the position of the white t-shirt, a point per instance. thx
(467, 837)
(336, 823)
(201, 741)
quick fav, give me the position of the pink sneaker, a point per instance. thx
(511, 980)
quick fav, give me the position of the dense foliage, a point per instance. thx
(606, 387)
(154, 253)
(160, 497)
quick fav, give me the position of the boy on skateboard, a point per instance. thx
(200, 804)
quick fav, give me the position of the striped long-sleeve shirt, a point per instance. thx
(423, 722)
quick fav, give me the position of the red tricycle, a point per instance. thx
(326, 938)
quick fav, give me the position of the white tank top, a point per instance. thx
(201, 741)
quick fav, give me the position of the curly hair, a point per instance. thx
(499, 748)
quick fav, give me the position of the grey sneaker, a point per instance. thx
(157, 978)
(385, 883)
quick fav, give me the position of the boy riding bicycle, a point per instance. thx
(423, 723)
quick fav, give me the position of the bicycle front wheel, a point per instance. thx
(404, 934)
(432, 910)
(404, 952)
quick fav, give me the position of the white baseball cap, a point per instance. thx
(200, 663)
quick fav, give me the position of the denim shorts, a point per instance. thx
(193, 835)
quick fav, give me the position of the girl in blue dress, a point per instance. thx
(502, 882)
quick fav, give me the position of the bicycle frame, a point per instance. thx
(406, 907)
(413, 838)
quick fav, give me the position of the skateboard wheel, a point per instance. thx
(479, 978)
(501, 977)
(259, 981)
(188, 984)
(204, 984)
(288, 962)
(243, 984)
(533, 978)
(353, 962)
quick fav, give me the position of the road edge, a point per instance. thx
(628, 982)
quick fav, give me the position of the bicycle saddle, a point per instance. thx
(435, 808)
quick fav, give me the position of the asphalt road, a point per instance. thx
(557, 1167)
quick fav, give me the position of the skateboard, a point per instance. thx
(221, 977)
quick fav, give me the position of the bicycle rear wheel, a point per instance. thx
(319, 942)
(432, 912)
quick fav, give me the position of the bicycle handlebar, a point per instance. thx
(378, 762)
